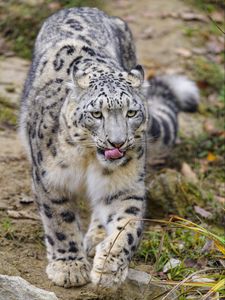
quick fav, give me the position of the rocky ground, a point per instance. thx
(171, 37)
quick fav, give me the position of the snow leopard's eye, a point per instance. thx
(131, 113)
(96, 114)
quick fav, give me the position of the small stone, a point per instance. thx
(171, 264)
(138, 277)
(140, 283)
(26, 200)
(183, 52)
(16, 288)
(202, 212)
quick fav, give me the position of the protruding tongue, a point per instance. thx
(113, 153)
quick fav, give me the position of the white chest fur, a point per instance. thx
(73, 172)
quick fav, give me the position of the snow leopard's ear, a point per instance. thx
(81, 79)
(136, 76)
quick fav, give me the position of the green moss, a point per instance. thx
(222, 94)
(207, 5)
(20, 21)
(8, 115)
(191, 150)
(170, 193)
(191, 31)
(208, 73)
(6, 228)
(79, 3)
(10, 89)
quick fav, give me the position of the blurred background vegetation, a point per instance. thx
(21, 20)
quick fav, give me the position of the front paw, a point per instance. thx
(69, 273)
(110, 266)
(92, 239)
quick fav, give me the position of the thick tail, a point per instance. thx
(177, 89)
(166, 97)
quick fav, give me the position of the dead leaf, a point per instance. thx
(188, 173)
(123, 3)
(222, 262)
(220, 199)
(189, 262)
(209, 127)
(213, 98)
(157, 162)
(221, 133)
(215, 47)
(169, 15)
(183, 52)
(221, 39)
(54, 6)
(150, 73)
(130, 19)
(211, 157)
(3, 46)
(22, 215)
(148, 14)
(191, 16)
(202, 262)
(215, 58)
(203, 166)
(217, 16)
(199, 51)
(176, 70)
(197, 278)
(202, 212)
(148, 33)
(208, 246)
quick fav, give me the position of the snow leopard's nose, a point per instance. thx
(116, 144)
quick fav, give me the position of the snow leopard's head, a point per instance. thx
(107, 113)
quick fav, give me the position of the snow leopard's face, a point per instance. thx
(112, 114)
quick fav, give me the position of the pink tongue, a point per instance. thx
(113, 153)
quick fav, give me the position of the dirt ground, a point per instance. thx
(162, 47)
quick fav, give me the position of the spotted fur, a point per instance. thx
(84, 96)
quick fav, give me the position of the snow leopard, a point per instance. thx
(88, 122)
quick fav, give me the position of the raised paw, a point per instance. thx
(69, 273)
(110, 268)
(92, 239)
